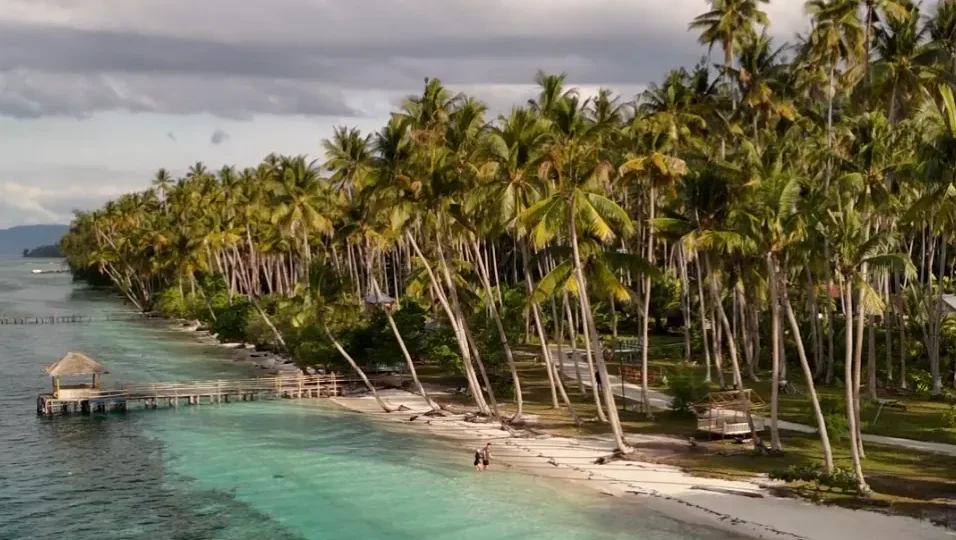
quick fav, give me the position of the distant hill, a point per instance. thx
(44, 252)
(16, 239)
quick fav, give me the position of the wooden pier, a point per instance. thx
(71, 319)
(92, 397)
(151, 396)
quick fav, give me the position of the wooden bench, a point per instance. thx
(633, 374)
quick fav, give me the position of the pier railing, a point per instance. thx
(152, 395)
(71, 319)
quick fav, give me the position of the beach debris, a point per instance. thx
(607, 493)
(729, 491)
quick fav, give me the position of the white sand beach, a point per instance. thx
(742, 507)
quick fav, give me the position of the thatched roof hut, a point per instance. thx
(74, 364)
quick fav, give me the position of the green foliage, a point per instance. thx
(842, 478)
(231, 321)
(949, 417)
(687, 388)
(834, 414)
(920, 380)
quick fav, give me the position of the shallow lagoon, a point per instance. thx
(245, 470)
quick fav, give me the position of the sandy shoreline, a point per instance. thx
(740, 507)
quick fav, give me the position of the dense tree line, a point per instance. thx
(797, 199)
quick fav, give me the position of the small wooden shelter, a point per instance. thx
(75, 365)
(373, 301)
(725, 413)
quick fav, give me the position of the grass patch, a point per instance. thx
(904, 481)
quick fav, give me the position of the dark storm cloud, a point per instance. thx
(634, 58)
(218, 137)
(311, 57)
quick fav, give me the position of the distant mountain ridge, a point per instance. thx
(16, 239)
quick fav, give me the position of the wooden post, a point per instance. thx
(335, 387)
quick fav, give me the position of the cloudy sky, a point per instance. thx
(95, 95)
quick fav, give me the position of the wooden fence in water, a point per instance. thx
(72, 319)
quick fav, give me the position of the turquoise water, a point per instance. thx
(261, 470)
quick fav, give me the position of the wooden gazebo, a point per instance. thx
(725, 413)
(75, 365)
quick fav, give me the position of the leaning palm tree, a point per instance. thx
(578, 202)
(324, 301)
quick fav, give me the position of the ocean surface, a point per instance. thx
(259, 470)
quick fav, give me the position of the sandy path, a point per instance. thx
(659, 400)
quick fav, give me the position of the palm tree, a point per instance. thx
(728, 23)
(322, 301)
(578, 201)
(348, 158)
(904, 59)
(942, 30)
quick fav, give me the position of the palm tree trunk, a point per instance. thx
(902, 324)
(732, 345)
(848, 385)
(536, 314)
(937, 387)
(494, 263)
(401, 345)
(265, 318)
(502, 336)
(775, 334)
(703, 318)
(828, 281)
(462, 323)
(808, 375)
(871, 359)
(436, 286)
(814, 324)
(595, 345)
(573, 335)
(645, 318)
(348, 358)
(888, 329)
(685, 299)
(858, 366)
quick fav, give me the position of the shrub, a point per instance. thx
(687, 388)
(949, 417)
(838, 428)
(920, 380)
(230, 323)
(842, 478)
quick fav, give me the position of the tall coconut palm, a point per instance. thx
(579, 202)
(729, 22)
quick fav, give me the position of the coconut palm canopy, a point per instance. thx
(73, 364)
(779, 201)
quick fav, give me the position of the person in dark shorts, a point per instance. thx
(485, 456)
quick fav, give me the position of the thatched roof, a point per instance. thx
(75, 363)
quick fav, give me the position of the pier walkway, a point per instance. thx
(86, 399)
(71, 319)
